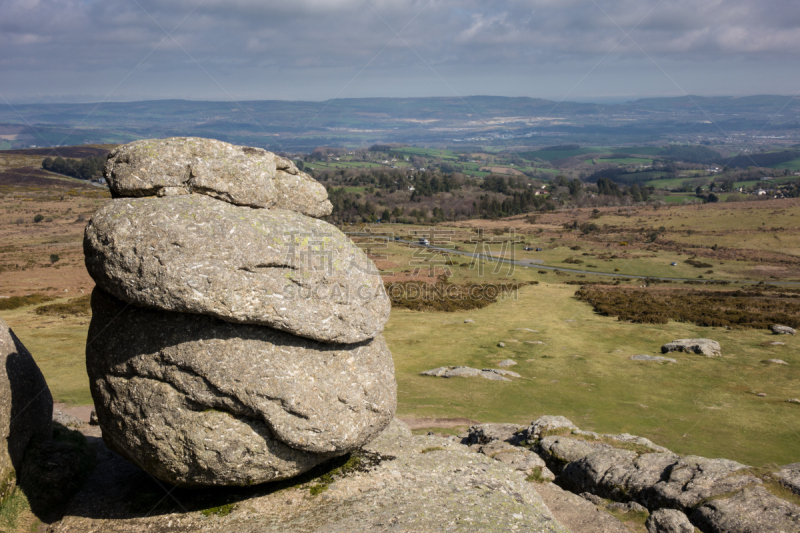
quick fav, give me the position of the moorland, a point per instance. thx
(579, 261)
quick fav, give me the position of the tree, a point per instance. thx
(38, 218)
(386, 215)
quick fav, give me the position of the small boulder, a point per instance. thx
(507, 363)
(707, 347)
(777, 329)
(668, 521)
(501, 344)
(793, 400)
(545, 424)
(776, 361)
(469, 321)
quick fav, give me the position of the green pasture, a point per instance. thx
(627, 161)
(704, 406)
(793, 165)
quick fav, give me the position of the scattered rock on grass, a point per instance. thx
(776, 361)
(502, 372)
(467, 372)
(707, 347)
(469, 321)
(501, 344)
(778, 329)
(507, 362)
(656, 358)
(793, 400)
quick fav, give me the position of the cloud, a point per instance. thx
(95, 39)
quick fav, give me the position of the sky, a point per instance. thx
(595, 50)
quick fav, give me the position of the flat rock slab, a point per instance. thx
(269, 267)
(467, 372)
(507, 363)
(576, 513)
(654, 358)
(776, 361)
(196, 400)
(419, 484)
(707, 347)
(237, 174)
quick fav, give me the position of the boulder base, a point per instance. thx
(199, 401)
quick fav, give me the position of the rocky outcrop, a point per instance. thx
(751, 510)
(777, 329)
(270, 267)
(230, 345)
(26, 407)
(706, 347)
(237, 174)
(398, 482)
(718, 495)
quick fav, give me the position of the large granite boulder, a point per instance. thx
(200, 401)
(707, 347)
(265, 266)
(237, 174)
(26, 407)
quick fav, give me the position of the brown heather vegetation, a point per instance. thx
(748, 308)
(75, 306)
(449, 297)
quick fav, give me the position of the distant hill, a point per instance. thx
(444, 121)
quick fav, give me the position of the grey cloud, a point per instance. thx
(94, 37)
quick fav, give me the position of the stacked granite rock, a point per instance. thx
(235, 339)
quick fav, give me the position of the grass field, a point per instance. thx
(627, 161)
(791, 165)
(699, 405)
